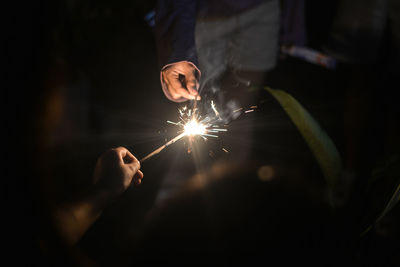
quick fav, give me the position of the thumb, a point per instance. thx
(192, 84)
(130, 160)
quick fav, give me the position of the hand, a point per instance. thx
(115, 170)
(181, 80)
(113, 174)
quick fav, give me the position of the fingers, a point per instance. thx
(123, 155)
(130, 161)
(126, 156)
(178, 87)
(193, 86)
(178, 90)
(137, 178)
(191, 83)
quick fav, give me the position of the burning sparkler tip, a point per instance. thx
(192, 124)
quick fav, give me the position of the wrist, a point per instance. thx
(101, 197)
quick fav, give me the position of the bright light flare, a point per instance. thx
(193, 127)
(193, 124)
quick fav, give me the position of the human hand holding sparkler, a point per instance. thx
(180, 81)
(114, 172)
(116, 169)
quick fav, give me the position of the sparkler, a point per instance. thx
(193, 124)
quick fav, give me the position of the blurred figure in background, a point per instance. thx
(223, 50)
(212, 39)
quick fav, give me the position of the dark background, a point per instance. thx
(100, 56)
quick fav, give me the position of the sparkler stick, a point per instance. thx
(195, 104)
(158, 150)
(194, 108)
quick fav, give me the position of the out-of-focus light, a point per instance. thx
(266, 173)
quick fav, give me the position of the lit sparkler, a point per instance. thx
(192, 124)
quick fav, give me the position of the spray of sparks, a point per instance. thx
(192, 124)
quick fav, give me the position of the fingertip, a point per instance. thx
(136, 167)
(137, 162)
(140, 174)
(193, 91)
(184, 93)
(137, 181)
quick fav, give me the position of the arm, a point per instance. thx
(175, 39)
(113, 174)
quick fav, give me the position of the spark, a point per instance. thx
(248, 111)
(225, 150)
(214, 109)
(174, 123)
(193, 124)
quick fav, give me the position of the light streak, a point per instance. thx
(214, 109)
